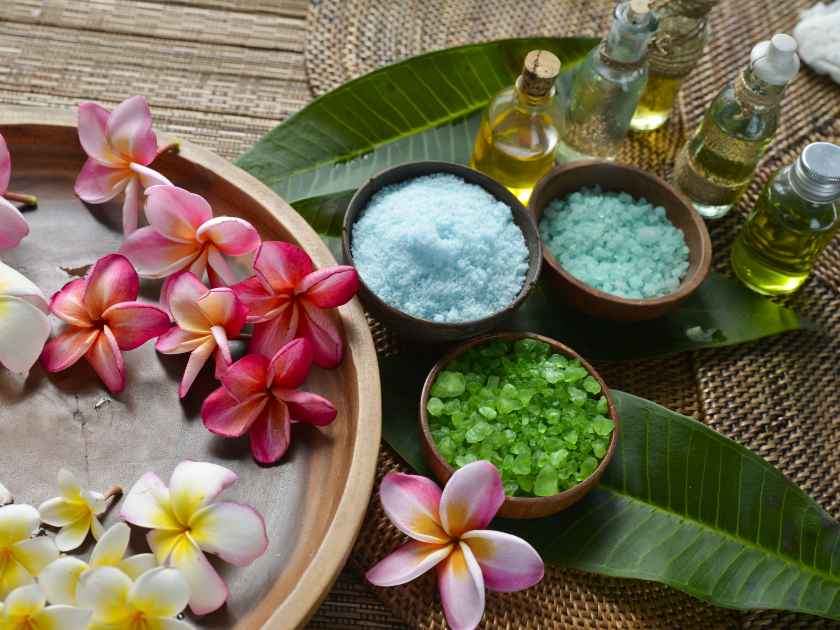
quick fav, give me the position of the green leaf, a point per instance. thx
(679, 504)
(426, 107)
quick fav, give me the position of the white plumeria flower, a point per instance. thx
(60, 579)
(5, 496)
(24, 327)
(26, 609)
(22, 557)
(75, 512)
(151, 602)
(185, 522)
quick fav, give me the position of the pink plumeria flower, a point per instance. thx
(183, 235)
(205, 319)
(260, 397)
(286, 298)
(448, 532)
(120, 146)
(13, 227)
(186, 521)
(102, 319)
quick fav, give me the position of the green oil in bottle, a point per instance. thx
(794, 219)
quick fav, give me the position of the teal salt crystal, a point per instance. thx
(615, 243)
(441, 249)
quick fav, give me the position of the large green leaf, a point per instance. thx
(680, 504)
(423, 108)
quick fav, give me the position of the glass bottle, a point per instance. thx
(674, 51)
(602, 95)
(717, 164)
(519, 130)
(794, 219)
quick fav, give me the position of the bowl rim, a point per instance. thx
(688, 284)
(571, 494)
(492, 187)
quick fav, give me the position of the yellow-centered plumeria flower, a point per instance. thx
(22, 557)
(60, 579)
(5, 496)
(75, 512)
(149, 603)
(26, 609)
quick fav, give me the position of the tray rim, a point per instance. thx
(332, 554)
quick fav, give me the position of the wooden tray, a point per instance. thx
(313, 501)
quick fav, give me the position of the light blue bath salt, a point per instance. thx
(615, 243)
(441, 249)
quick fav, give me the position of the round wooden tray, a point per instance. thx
(313, 501)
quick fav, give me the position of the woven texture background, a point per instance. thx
(778, 397)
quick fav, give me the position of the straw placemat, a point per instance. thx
(778, 397)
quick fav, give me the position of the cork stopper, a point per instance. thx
(638, 8)
(538, 74)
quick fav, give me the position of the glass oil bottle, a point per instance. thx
(599, 100)
(717, 164)
(674, 51)
(519, 130)
(794, 219)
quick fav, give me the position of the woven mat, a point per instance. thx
(778, 397)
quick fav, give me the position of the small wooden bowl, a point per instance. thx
(414, 328)
(570, 178)
(517, 507)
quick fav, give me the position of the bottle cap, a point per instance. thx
(818, 171)
(538, 74)
(775, 61)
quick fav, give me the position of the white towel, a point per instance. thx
(818, 36)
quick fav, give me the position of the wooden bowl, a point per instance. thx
(518, 507)
(570, 178)
(414, 328)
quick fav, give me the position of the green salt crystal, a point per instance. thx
(588, 466)
(602, 405)
(591, 385)
(599, 448)
(449, 384)
(558, 457)
(525, 482)
(522, 464)
(511, 488)
(452, 406)
(545, 484)
(603, 426)
(464, 459)
(553, 374)
(459, 419)
(435, 406)
(574, 373)
(577, 396)
(487, 412)
(508, 405)
(571, 437)
(493, 381)
(478, 432)
(446, 446)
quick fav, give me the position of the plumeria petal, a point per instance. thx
(15, 284)
(218, 270)
(148, 504)
(198, 359)
(507, 562)
(471, 498)
(319, 329)
(195, 484)
(208, 591)
(13, 225)
(67, 304)
(222, 307)
(233, 531)
(137, 565)
(156, 256)
(134, 323)
(131, 205)
(111, 280)
(248, 377)
(231, 235)
(407, 563)
(148, 177)
(25, 601)
(12, 576)
(331, 287)
(161, 592)
(97, 183)
(73, 535)
(69, 485)
(272, 335)
(60, 579)
(411, 502)
(96, 528)
(93, 135)
(67, 348)
(176, 213)
(224, 415)
(461, 589)
(110, 549)
(184, 295)
(5, 165)
(107, 361)
(178, 341)
(281, 266)
(34, 554)
(262, 304)
(17, 522)
(24, 329)
(129, 130)
(59, 512)
(290, 366)
(271, 433)
(306, 406)
(63, 618)
(199, 265)
(105, 592)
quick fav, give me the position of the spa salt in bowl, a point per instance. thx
(441, 251)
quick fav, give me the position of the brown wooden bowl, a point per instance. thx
(570, 178)
(415, 328)
(517, 507)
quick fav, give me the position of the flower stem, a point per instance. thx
(172, 147)
(114, 493)
(26, 200)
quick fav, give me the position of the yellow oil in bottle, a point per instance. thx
(657, 101)
(515, 156)
(779, 244)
